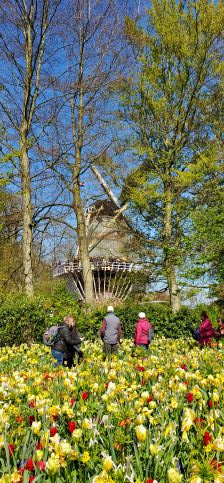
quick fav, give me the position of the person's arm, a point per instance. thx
(103, 329)
(119, 333)
(151, 333)
(209, 330)
(66, 335)
(138, 331)
(76, 338)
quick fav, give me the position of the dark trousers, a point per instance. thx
(110, 348)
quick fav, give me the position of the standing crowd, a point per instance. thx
(67, 340)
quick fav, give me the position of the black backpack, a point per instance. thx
(196, 334)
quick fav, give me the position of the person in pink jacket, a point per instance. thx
(144, 331)
(206, 330)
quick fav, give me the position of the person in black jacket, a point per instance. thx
(67, 342)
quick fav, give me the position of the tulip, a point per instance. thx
(71, 426)
(52, 464)
(218, 444)
(39, 455)
(77, 434)
(53, 431)
(154, 449)
(65, 448)
(107, 463)
(140, 433)
(35, 426)
(173, 475)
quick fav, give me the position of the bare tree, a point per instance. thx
(23, 28)
(84, 131)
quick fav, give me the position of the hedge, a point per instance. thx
(25, 320)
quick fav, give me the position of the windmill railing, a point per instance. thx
(96, 264)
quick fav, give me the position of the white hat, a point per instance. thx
(141, 315)
(110, 308)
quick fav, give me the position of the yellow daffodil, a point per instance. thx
(85, 457)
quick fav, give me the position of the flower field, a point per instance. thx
(130, 419)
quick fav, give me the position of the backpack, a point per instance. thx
(196, 334)
(49, 337)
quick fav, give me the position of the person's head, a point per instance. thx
(204, 315)
(69, 321)
(110, 309)
(141, 315)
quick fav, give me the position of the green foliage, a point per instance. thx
(172, 103)
(25, 320)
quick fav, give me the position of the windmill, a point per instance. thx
(113, 271)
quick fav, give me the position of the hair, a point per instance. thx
(141, 315)
(204, 315)
(110, 308)
(69, 320)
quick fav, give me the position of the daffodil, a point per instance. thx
(85, 457)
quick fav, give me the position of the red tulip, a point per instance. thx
(30, 465)
(207, 438)
(85, 395)
(41, 465)
(71, 426)
(190, 397)
(53, 430)
(140, 368)
(31, 419)
(11, 449)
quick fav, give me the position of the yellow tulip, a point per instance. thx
(154, 449)
(35, 427)
(77, 434)
(173, 475)
(140, 433)
(107, 463)
(52, 464)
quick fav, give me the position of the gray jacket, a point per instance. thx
(111, 329)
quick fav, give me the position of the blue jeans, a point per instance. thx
(58, 356)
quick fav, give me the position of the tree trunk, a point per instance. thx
(173, 291)
(169, 264)
(77, 201)
(83, 245)
(27, 214)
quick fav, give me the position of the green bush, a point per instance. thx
(24, 320)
